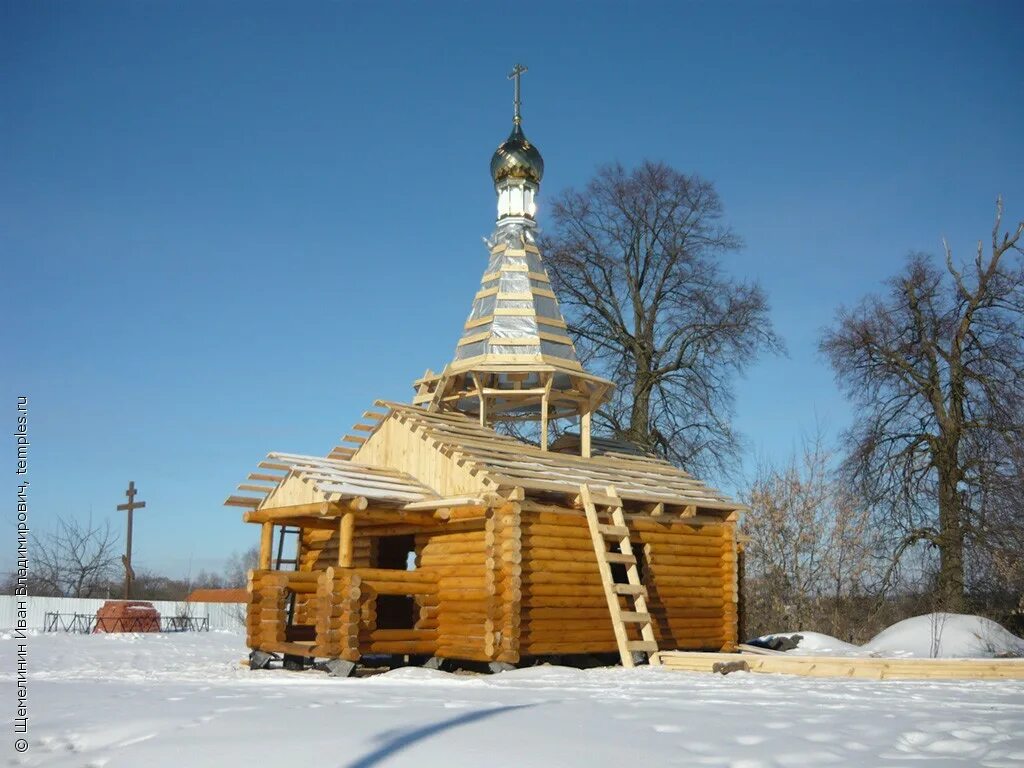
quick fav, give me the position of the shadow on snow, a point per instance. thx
(405, 739)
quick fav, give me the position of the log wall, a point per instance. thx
(460, 608)
(507, 584)
(318, 550)
(689, 571)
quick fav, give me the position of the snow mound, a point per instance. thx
(949, 635)
(416, 674)
(818, 643)
(934, 635)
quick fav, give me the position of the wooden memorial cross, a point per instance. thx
(131, 506)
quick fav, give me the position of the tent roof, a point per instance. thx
(515, 349)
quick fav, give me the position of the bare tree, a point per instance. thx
(236, 573)
(79, 559)
(149, 585)
(936, 370)
(810, 550)
(634, 257)
(995, 570)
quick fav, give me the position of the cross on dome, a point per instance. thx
(515, 74)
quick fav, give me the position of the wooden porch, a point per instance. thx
(332, 613)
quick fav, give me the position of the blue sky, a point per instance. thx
(227, 228)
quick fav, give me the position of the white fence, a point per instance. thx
(221, 615)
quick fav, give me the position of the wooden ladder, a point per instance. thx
(618, 532)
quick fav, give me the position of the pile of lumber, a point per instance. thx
(850, 666)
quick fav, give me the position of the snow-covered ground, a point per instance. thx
(934, 635)
(173, 700)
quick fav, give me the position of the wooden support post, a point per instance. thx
(266, 545)
(585, 435)
(346, 530)
(479, 384)
(544, 421)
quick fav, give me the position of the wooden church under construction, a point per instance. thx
(430, 535)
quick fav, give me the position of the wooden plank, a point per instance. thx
(357, 489)
(348, 469)
(243, 501)
(857, 667)
(618, 557)
(645, 646)
(274, 465)
(257, 488)
(455, 501)
(633, 617)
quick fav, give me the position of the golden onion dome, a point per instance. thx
(517, 158)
